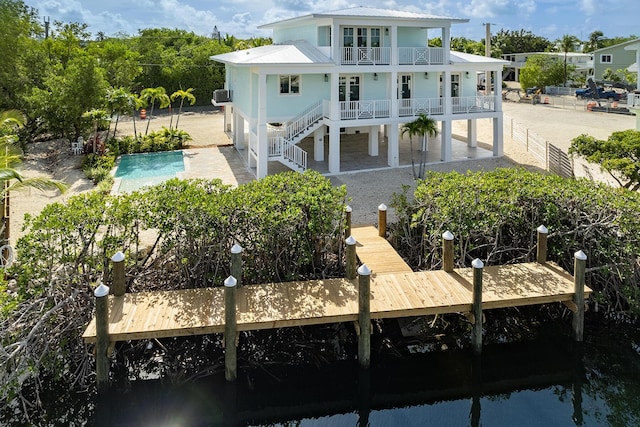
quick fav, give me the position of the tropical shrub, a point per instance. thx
(494, 216)
(290, 226)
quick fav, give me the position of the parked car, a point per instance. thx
(586, 93)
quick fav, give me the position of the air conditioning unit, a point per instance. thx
(221, 96)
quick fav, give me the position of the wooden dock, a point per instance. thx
(396, 291)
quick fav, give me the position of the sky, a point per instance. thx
(547, 18)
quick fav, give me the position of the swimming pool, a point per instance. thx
(135, 171)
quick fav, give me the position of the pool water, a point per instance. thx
(144, 169)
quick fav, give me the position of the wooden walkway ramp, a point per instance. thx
(201, 311)
(377, 252)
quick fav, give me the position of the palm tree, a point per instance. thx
(119, 101)
(153, 94)
(10, 121)
(426, 127)
(594, 40)
(567, 43)
(183, 94)
(412, 129)
(96, 116)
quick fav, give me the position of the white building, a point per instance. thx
(582, 61)
(358, 70)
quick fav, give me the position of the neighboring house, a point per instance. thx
(620, 56)
(582, 61)
(358, 70)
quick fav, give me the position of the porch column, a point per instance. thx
(393, 153)
(445, 141)
(393, 93)
(497, 137)
(373, 140)
(238, 127)
(472, 133)
(334, 148)
(262, 143)
(318, 144)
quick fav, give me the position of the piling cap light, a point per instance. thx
(580, 255)
(350, 240)
(236, 249)
(118, 257)
(363, 270)
(101, 291)
(542, 229)
(230, 282)
(477, 263)
(382, 207)
(447, 235)
(348, 208)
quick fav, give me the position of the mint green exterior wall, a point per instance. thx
(621, 59)
(412, 37)
(241, 90)
(283, 107)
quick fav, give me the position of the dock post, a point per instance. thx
(351, 267)
(119, 284)
(236, 263)
(230, 357)
(382, 220)
(541, 253)
(102, 336)
(348, 211)
(478, 266)
(579, 267)
(447, 251)
(364, 316)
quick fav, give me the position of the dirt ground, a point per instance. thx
(556, 123)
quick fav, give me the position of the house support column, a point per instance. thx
(393, 151)
(445, 141)
(262, 166)
(318, 144)
(472, 133)
(373, 140)
(497, 137)
(334, 148)
(238, 127)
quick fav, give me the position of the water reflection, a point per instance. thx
(511, 384)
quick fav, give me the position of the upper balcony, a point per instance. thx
(382, 56)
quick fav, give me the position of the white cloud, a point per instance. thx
(589, 6)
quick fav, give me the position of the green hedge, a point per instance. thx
(494, 216)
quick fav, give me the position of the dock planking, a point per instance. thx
(377, 252)
(187, 312)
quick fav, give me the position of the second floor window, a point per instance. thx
(289, 85)
(606, 59)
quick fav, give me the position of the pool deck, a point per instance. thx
(222, 162)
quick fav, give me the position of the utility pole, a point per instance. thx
(46, 26)
(487, 53)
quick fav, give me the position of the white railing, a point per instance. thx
(280, 147)
(559, 90)
(303, 121)
(473, 104)
(294, 154)
(366, 56)
(417, 106)
(355, 110)
(420, 55)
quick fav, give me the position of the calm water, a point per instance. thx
(144, 169)
(540, 383)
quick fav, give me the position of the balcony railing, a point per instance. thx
(473, 104)
(420, 55)
(360, 110)
(416, 106)
(366, 56)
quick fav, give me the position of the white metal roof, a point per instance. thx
(366, 12)
(468, 58)
(295, 53)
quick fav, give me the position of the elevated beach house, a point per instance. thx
(336, 78)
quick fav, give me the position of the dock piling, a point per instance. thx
(478, 267)
(579, 267)
(236, 263)
(119, 284)
(447, 251)
(102, 336)
(541, 253)
(382, 220)
(230, 341)
(351, 267)
(348, 210)
(364, 316)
